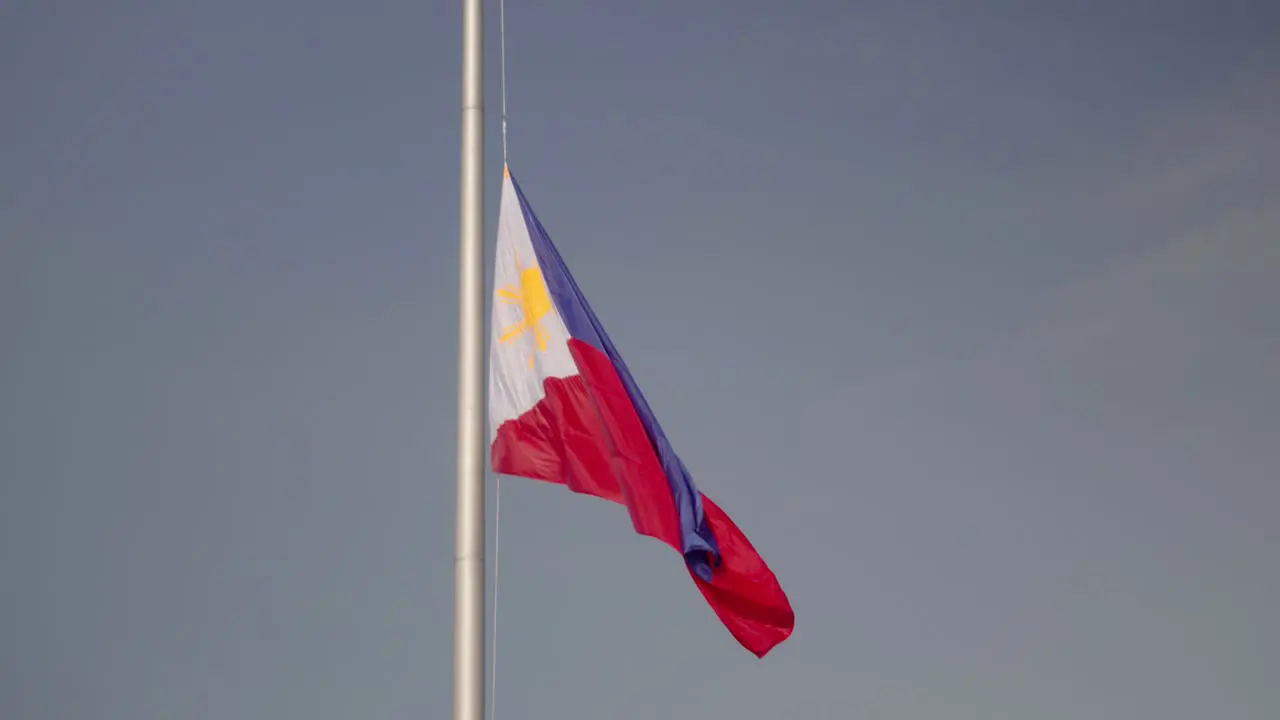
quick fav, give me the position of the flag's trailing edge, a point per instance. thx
(563, 408)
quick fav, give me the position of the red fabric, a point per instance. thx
(743, 591)
(585, 434)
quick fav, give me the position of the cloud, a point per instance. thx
(1207, 292)
(1183, 327)
(1219, 151)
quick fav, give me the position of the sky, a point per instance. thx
(967, 315)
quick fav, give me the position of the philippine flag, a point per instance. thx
(563, 408)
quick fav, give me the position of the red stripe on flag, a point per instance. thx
(586, 435)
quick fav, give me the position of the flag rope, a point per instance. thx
(502, 46)
(497, 479)
(493, 652)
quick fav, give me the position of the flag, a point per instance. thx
(563, 408)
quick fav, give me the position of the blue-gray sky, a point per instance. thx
(968, 315)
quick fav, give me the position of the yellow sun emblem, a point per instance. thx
(534, 302)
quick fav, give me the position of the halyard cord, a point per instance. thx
(502, 42)
(497, 479)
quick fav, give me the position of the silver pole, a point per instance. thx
(468, 559)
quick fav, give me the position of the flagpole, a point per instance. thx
(468, 561)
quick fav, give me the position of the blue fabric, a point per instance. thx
(699, 543)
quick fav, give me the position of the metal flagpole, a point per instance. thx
(468, 560)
